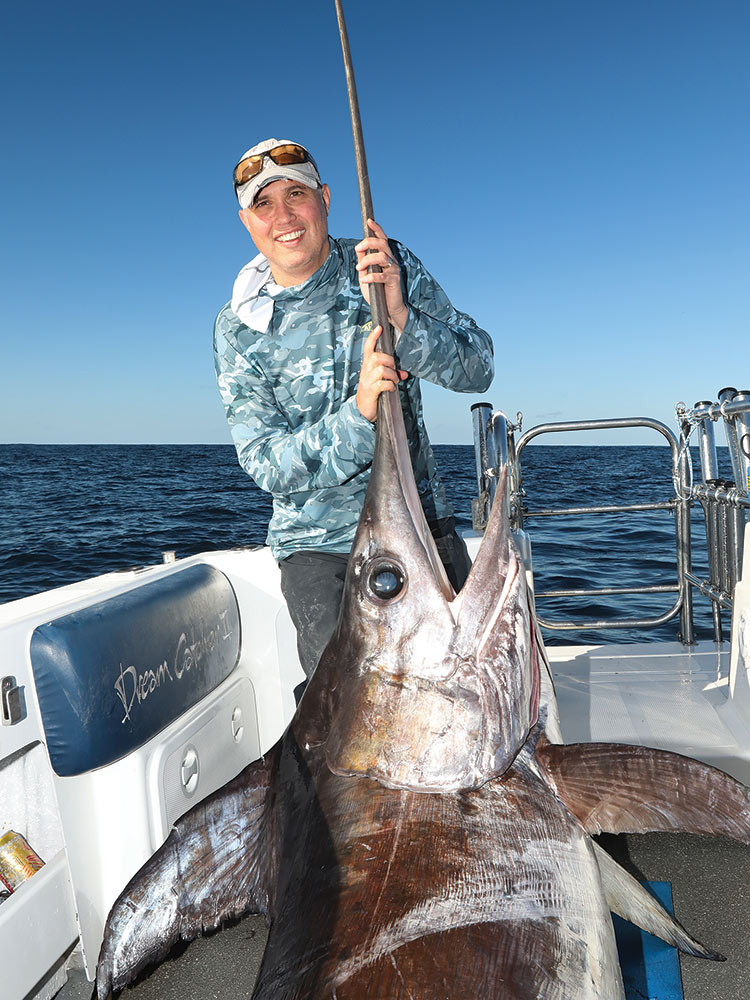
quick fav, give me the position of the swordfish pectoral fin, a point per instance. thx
(218, 862)
(628, 899)
(618, 788)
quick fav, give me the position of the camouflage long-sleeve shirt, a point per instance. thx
(289, 394)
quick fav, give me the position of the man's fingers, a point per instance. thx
(383, 372)
(380, 256)
(376, 228)
(371, 341)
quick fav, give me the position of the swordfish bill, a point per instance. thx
(415, 834)
(388, 408)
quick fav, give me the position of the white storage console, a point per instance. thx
(126, 700)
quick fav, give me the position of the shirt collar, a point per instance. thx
(253, 308)
(255, 290)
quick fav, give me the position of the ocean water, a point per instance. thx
(68, 512)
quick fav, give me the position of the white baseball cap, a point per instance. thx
(273, 160)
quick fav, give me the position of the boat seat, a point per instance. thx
(112, 675)
(146, 708)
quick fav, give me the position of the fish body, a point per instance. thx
(418, 832)
(392, 894)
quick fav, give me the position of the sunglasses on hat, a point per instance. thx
(282, 156)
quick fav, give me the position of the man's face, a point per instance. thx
(288, 223)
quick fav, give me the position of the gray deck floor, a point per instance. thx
(711, 888)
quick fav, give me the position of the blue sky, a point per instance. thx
(574, 173)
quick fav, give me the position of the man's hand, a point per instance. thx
(378, 374)
(390, 276)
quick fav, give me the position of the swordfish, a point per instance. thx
(420, 832)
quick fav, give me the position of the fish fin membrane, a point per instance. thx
(218, 862)
(630, 900)
(618, 788)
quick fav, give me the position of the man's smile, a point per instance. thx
(288, 224)
(296, 234)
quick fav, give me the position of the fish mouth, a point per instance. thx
(442, 681)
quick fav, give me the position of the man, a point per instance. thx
(300, 377)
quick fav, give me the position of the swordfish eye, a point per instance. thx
(385, 580)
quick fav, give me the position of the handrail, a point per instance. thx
(613, 423)
(607, 509)
(679, 505)
(724, 502)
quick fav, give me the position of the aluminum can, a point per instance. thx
(17, 860)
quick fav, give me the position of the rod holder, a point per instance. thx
(742, 434)
(726, 396)
(498, 445)
(709, 460)
(481, 418)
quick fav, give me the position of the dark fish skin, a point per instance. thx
(414, 835)
(391, 894)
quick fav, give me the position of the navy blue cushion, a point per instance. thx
(111, 676)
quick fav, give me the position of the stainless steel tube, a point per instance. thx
(709, 461)
(735, 537)
(481, 414)
(723, 547)
(498, 444)
(710, 511)
(742, 432)
(726, 397)
(682, 471)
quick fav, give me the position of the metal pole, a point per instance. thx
(737, 514)
(684, 551)
(710, 509)
(378, 306)
(742, 430)
(499, 439)
(709, 462)
(724, 553)
(516, 492)
(726, 396)
(481, 414)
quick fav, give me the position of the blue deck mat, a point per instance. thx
(650, 967)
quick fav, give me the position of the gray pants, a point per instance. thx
(312, 584)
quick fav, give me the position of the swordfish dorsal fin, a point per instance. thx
(219, 862)
(628, 899)
(618, 788)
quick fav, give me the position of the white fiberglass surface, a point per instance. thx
(658, 695)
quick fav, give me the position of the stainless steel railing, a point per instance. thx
(724, 502)
(493, 429)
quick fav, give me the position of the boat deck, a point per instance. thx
(660, 695)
